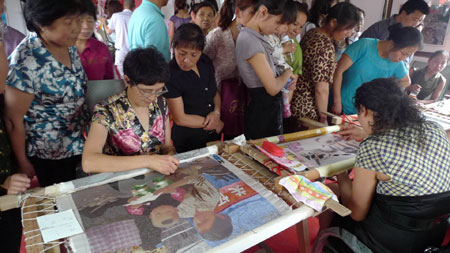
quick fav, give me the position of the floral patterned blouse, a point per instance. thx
(57, 116)
(220, 48)
(126, 136)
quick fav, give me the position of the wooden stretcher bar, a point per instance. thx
(270, 181)
(32, 208)
(299, 135)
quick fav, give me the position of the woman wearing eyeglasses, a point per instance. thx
(193, 98)
(131, 130)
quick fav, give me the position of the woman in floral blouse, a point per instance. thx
(131, 130)
(45, 93)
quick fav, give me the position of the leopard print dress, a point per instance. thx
(318, 66)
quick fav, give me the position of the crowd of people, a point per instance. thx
(253, 67)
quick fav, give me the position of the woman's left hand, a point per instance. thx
(212, 121)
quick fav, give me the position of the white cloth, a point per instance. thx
(119, 23)
(120, 58)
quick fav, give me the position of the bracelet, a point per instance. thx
(217, 112)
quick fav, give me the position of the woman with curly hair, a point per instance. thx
(401, 173)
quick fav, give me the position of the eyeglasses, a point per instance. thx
(149, 93)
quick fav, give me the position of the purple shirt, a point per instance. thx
(97, 61)
(11, 39)
(177, 21)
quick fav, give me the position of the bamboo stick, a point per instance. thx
(298, 135)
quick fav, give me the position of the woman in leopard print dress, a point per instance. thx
(311, 95)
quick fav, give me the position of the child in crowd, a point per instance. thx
(95, 57)
(181, 17)
(193, 98)
(264, 113)
(203, 14)
(428, 83)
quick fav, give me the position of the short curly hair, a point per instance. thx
(391, 106)
(146, 66)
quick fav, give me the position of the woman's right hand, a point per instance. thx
(164, 164)
(351, 132)
(27, 168)
(336, 108)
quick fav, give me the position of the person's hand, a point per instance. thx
(351, 132)
(293, 84)
(219, 128)
(164, 164)
(27, 168)
(289, 48)
(336, 108)
(211, 121)
(414, 88)
(16, 183)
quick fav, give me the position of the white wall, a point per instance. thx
(373, 10)
(14, 15)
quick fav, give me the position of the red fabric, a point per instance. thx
(137, 3)
(234, 99)
(97, 61)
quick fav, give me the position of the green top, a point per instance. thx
(298, 59)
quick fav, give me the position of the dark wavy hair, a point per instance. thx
(391, 106)
(346, 14)
(189, 35)
(41, 13)
(146, 66)
(228, 8)
(405, 36)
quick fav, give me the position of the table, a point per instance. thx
(257, 171)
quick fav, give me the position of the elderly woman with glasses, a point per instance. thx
(193, 98)
(131, 130)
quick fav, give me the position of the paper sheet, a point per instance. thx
(58, 225)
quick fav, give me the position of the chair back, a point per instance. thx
(101, 90)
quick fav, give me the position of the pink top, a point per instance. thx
(97, 61)
(220, 49)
